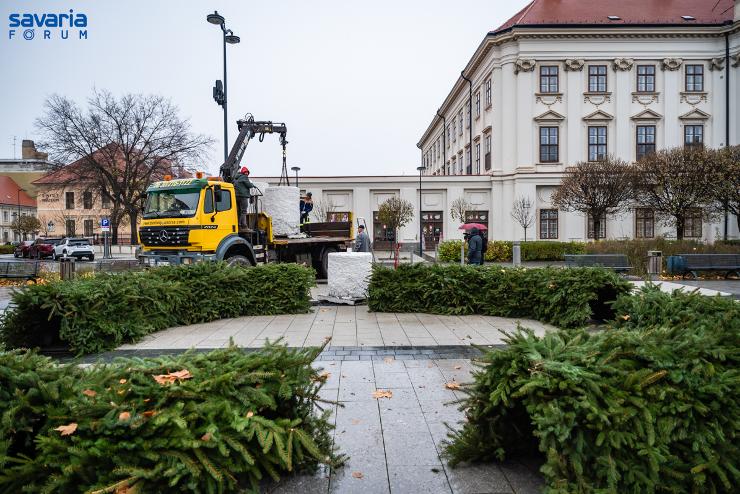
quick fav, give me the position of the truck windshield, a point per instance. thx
(180, 203)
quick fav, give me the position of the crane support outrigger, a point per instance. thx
(195, 219)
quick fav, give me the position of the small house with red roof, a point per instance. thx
(14, 202)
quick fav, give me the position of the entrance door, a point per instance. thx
(432, 225)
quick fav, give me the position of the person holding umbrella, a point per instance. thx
(475, 247)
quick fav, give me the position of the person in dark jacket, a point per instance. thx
(362, 241)
(306, 206)
(242, 186)
(475, 247)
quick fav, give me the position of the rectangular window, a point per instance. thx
(70, 200)
(382, 235)
(476, 217)
(597, 143)
(467, 115)
(5, 216)
(87, 200)
(105, 199)
(644, 223)
(645, 140)
(693, 135)
(597, 78)
(645, 78)
(468, 162)
(548, 223)
(88, 227)
(477, 158)
(432, 225)
(449, 135)
(460, 122)
(602, 227)
(694, 78)
(692, 224)
(489, 96)
(488, 152)
(70, 228)
(549, 79)
(477, 104)
(549, 144)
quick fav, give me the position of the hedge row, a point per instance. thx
(563, 297)
(501, 250)
(216, 422)
(7, 249)
(99, 313)
(651, 405)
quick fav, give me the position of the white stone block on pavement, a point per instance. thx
(349, 274)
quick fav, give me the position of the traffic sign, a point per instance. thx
(105, 225)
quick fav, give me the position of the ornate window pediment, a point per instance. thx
(549, 116)
(647, 115)
(524, 65)
(598, 116)
(695, 114)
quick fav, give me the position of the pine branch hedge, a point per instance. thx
(224, 421)
(99, 313)
(650, 405)
(563, 297)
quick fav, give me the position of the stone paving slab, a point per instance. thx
(346, 326)
(394, 443)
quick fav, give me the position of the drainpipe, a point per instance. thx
(470, 117)
(727, 107)
(444, 143)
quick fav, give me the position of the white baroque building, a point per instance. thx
(573, 80)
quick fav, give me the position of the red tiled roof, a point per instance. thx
(630, 12)
(9, 193)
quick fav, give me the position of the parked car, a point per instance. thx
(73, 247)
(21, 250)
(42, 247)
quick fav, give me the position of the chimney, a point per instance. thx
(28, 151)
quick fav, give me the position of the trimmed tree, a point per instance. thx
(521, 212)
(595, 188)
(674, 181)
(727, 185)
(395, 213)
(26, 225)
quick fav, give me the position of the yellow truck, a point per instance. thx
(195, 219)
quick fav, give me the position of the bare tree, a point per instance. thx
(395, 213)
(521, 212)
(25, 225)
(595, 188)
(458, 208)
(727, 182)
(322, 209)
(673, 181)
(120, 145)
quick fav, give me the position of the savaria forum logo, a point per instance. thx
(71, 25)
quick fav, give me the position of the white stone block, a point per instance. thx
(283, 206)
(349, 274)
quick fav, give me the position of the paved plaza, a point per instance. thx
(393, 443)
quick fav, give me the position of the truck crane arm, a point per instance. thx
(249, 128)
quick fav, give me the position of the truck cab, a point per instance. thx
(191, 220)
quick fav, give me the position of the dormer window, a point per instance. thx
(688, 17)
(614, 18)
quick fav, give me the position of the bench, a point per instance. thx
(616, 262)
(690, 264)
(27, 270)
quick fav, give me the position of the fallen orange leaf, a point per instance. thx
(357, 475)
(149, 413)
(250, 414)
(452, 385)
(89, 392)
(380, 393)
(388, 360)
(67, 430)
(626, 317)
(458, 367)
(206, 437)
(170, 378)
(122, 381)
(124, 416)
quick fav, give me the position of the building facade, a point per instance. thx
(14, 202)
(566, 81)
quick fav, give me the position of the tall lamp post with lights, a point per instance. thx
(421, 224)
(219, 89)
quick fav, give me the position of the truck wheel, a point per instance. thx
(323, 271)
(238, 261)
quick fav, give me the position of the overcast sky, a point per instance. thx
(356, 82)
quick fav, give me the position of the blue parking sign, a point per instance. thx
(105, 225)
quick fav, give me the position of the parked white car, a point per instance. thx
(74, 247)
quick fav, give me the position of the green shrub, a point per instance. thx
(7, 249)
(636, 250)
(648, 410)
(215, 422)
(501, 250)
(102, 312)
(564, 297)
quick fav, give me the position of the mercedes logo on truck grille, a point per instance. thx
(164, 236)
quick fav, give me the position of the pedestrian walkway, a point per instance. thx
(347, 326)
(393, 443)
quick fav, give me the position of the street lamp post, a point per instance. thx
(296, 169)
(421, 225)
(218, 94)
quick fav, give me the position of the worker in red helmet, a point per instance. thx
(242, 189)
